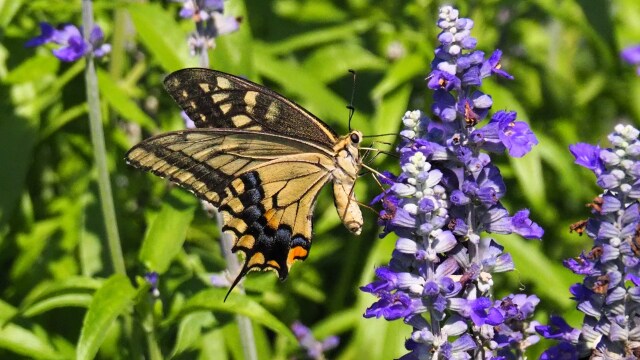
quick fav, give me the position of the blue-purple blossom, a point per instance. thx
(441, 206)
(313, 348)
(607, 296)
(631, 55)
(588, 156)
(73, 46)
(210, 21)
(153, 279)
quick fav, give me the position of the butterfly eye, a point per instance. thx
(355, 138)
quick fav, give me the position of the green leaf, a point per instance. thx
(167, 231)
(18, 137)
(169, 48)
(121, 102)
(22, 341)
(59, 301)
(49, 290)
(528, 171)
(309, 11)
(400, 73)
(33, 69)
(332, 62)
(551, 279)
(388, 116)
(8, 9)
(213, 300)
(322, 36)
(110, 301)
(190, 331)
(315, 95)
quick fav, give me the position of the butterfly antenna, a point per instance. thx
(352, 109)
(380, 135)
(243, 272)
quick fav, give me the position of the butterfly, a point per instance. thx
(260, 159)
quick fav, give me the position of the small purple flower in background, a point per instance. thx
(631, 55)
(153, 278)
(73, 45)
(210, 22)
(314, 349)
(446, 196)
(609, 295)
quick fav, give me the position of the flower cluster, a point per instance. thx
(314, 349)
(439, 278)
(73, 45)
(210, 22)
(609, 295)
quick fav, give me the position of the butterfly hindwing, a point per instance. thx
(214, 99)
(269, 214)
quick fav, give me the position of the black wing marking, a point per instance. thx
(213, 99)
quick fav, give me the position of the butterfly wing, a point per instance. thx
(213, 99)
(264, 185)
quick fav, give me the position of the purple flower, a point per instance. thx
(210, 22)
(588, 156)
(493, 66)
(503, 132)
(46, 35)
(314, 348)
(153, 279)
(390, 306)
(443, 80)
(524, 227)
(631, 55)
(73, 45)
(562, 351)
(387, 281)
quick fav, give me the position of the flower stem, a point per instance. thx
(100, 152)
(244, 323)
(100, 156)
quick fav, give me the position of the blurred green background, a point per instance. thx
(570, 85)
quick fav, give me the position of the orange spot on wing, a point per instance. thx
(296, 253)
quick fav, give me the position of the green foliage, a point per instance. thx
(60, 297)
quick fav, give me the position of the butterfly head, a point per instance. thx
(350, 143)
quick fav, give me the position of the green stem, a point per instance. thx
(100, 152)
(244, 323)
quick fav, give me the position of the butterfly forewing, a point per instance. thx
(218, 100)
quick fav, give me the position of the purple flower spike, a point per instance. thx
(314, 349)
(449, 193)
(608, 302)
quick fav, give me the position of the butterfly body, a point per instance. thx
(260, 159)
